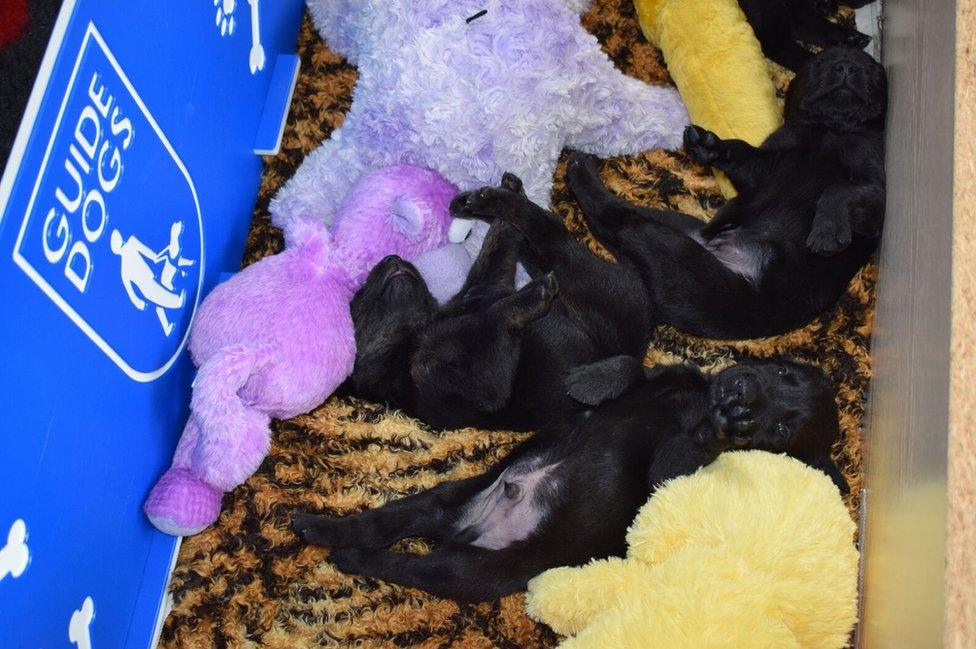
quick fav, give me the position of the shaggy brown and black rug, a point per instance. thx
(248, 582)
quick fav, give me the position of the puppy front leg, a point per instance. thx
(610, 378)
(545, 237)
(430, 514)
(843, 210)
(681, 455)
(812, 28)
(867, 209)
(604, 380)
(788, 53)
(455, 571)
(493, 271)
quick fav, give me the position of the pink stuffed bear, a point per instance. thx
(277, 339)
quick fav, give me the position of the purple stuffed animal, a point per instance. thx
(472, 89)
(277, 339)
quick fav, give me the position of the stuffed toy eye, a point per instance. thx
(782, 370)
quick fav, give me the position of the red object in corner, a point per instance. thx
(13, 19)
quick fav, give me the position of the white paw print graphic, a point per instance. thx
(226, 23)
(225, 16)
(79, 628)
(15, 555)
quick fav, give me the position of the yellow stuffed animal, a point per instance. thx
(753, 551)
(718, 66)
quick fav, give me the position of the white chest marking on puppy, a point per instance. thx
(741, 257)
(79, 629)
(15, 556)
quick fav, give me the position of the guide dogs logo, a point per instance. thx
(112, 232)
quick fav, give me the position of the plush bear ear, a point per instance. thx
(407, 218)
(579, 6)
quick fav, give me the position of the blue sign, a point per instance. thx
(127, 195)
(94, 240)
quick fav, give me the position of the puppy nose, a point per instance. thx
(844, 68)
(390, 259)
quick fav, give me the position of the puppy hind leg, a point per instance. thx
(583, 178)
(607, 215)
(429, 514)
(456, 571)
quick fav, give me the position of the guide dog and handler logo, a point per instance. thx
(113, 233)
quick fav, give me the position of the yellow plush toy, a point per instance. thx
(754, 551)
(718, 66)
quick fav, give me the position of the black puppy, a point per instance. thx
(808, 214)
(569, 493)
(494, 357)
(779, 24)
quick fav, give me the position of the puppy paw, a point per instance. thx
(858, 40)
(528, 304)
(829, 236)
(487, 203)
(356, 561)
(586, 386)
(827, 8)
(582, 167)
(320, 530)
(734, 417)
(850, 38)
(598, 382)
(703, 146)
(349, 561)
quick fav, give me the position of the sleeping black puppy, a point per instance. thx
(808, 214)
(569, 493)
(494, 357)
(780, 24)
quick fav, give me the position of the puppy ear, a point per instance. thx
(828, 466)
(512, 183)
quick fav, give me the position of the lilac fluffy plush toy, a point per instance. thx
(471, 89)
(277, 338)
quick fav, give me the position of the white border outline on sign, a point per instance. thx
(143, 377)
